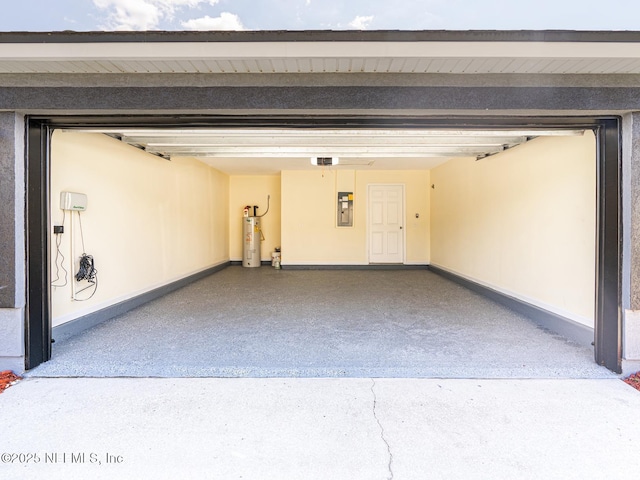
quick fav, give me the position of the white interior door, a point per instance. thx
(386, 222)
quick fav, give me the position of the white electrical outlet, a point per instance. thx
(73, 201)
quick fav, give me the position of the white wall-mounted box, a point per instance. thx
(73, 201)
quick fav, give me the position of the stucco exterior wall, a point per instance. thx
(631, 239)
(296, 99)
(12, 241)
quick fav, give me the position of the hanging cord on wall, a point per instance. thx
(268, 203)
(60, 265)
(87, 270)
(81, 232)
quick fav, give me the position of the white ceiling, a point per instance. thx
(459, 57)
(269, 150)
(271, 166)
(461, 65)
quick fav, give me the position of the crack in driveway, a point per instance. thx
(375, 403)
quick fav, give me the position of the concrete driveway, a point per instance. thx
(355, 428)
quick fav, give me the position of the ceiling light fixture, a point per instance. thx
(325, 161)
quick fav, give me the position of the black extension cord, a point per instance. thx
(87, 270)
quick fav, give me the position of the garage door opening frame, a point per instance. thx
(608, 323)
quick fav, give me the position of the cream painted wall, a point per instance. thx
(253, 190)
(309, 232)
(148, 222)
(523, 222)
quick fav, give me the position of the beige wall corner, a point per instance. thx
(522, 222)
(148, 222)
(253, 190)
(309, 231)
(310, 234)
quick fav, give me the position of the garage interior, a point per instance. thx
(513, 210)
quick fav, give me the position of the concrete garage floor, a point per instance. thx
(327, 323)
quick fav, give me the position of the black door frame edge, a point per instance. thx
(608, 324)
(38, 309)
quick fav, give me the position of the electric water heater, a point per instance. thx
(251, 238)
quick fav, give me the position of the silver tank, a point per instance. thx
(251, 242)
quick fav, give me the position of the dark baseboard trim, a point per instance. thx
(238, 263)
(566, 327)
(80, 324)
(379, 266)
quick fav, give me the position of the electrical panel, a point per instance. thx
(73, 201)
(345, 209)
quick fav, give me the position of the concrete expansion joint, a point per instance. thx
(375, 403)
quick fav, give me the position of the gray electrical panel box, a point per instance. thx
(345, 209)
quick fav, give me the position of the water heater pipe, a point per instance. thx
(268, 203)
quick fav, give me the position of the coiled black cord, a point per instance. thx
(88, 272)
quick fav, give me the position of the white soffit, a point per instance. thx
(460, 57)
